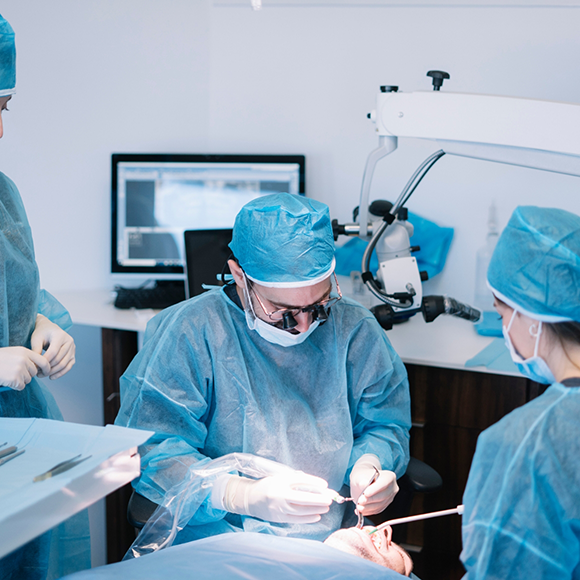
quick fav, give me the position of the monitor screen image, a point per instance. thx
(157, 197)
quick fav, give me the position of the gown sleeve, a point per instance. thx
(168, 388)
(379, 389)
(50, 307)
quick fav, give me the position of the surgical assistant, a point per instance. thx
(277, 365)
(33, 343)
(522, 500)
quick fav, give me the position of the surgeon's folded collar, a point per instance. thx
(550, 318)
(295, 284)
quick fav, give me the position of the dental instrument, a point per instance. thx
(8, 450)
(9, 457)
(60, 468)
(361, 518)
(458, 510)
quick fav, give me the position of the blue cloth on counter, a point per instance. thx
(434, 241)
(535, 267)
(522, 514)
(209, 386)
(284, 239)
(20, 301)
(244, 556)
(494, 356)
(489, 324)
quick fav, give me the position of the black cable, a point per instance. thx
(408, 190)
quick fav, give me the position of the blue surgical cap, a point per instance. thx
(284, 241)
(7, 59)
(535, 267)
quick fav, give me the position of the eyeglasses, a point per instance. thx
(286, 317)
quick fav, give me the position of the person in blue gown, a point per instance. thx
(522, 499)
(278, 365)
(33, 343)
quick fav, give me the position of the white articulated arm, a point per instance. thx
(525, 132)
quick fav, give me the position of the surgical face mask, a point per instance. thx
(534, 368)
(271, 333)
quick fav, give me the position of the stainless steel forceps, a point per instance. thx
(60, 468)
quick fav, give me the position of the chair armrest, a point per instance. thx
(139, 510)
(421, 477)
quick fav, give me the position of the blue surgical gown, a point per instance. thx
(209, 386)
(522, 500)
(66, 548)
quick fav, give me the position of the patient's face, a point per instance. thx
(377, 548)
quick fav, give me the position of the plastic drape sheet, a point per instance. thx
(182, 501)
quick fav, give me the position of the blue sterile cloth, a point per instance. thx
(20, 301)
(494, 356)
(434, 241)
(489, 324)
(522, 514)
(209, 386)
(244, 556)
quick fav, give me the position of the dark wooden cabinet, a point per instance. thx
(119, 348)
(450, 408)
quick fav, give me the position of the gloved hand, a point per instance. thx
(59, 347)
(380, 493)
(282, 498)
(18, 365)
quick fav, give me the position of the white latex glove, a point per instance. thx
(18, 365)
(58, 345)
(283, 498)
(380, 493)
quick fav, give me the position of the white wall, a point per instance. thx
(301, 79)
(95, 78)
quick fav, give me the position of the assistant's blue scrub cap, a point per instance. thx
(7, 59)
(284, 241)
(535, 267)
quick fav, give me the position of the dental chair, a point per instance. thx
(419, 477)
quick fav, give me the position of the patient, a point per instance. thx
(377, 548)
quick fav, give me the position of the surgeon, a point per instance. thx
(522, 500)
(278, 365)
(32, 344)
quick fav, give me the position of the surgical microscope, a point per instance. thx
(524, 132)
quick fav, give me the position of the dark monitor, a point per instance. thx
(157, 197)
(206, 252)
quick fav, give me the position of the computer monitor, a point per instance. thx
(156, 197)
(206, 252)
